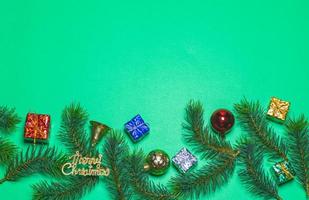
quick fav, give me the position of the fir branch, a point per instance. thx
(199, 136)
(116, 151)
(8, 119)
(253, 119)
(252, 174)
(206, 180)
(73, 188)
(34, 160)
(72, 132)
(7, 150)
(298, 143)
(73, 136)
(142, 187)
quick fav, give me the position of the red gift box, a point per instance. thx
(37, 127)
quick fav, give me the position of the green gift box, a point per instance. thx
(283, 171)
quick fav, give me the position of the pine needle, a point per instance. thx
(73, 188)
(298, 143)
(252, 174)
(206, 180)
(8, 119)
(72, 132)
(143, 188)
(202, 140)
(7, 150)
(34, 160)
(253, 120)
(116, 151)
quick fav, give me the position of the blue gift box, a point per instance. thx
(136, 128)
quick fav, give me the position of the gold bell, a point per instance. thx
(98, 131)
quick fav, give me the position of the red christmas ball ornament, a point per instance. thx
(222, 121)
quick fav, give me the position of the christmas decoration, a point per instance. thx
(94, 168)
(142, 187)
(37, 128)
(253, 120)
(128, 180)
(184, 160)
(222, 121)
(219, 153)
(298, 144)
(8, 119)
(98, 131)
(73, 136)
(278, 109)
(157, 162)
(137, 128)
(200, 138)
(284, 172)
(252, 174)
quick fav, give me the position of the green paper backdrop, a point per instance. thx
(121, 58)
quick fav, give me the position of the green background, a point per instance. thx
(151, 57)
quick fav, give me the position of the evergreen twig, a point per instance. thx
(72, 132)
(298, 143)
(142, 187)
(7, 150)
(8, 119)
(205, 180)
(73, 188)
(34, 160)
(252, 174)
(199, 136)
(116, 151)
(73, 136)
(253, 119)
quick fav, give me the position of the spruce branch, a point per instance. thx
(202, 140)
(252, 117)
(298, 143)
(8, 119)
(34, 160)
(7, 150)
(73, 188)
(252, 174)
(73, 136)
(143, 188)
(116, 151)
(72, 133)
(206, 180)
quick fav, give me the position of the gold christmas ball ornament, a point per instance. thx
(157, 162)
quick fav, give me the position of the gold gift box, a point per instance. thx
(278, 109)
